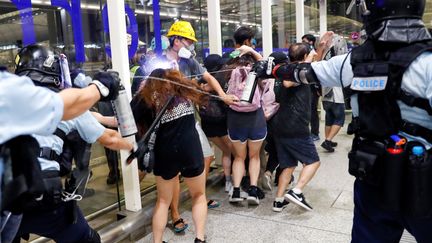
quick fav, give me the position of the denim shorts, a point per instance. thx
(335, 113)
(244, 126)
(290, 151)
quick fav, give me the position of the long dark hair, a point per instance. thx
(245, 60)
(156, 92)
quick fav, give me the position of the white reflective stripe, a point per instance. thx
(369, 83)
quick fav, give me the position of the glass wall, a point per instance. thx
(236, 13)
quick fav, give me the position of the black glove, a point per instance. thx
(260, 68)
(109, 83)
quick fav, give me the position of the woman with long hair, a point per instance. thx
(177, 147)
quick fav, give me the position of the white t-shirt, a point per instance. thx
(334, 95)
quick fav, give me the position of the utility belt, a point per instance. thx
(403, 179)
(52, 195)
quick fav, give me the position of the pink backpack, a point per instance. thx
(268, 99)
(236, 85)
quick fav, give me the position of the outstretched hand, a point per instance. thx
(326, 40)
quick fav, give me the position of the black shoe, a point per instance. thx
(253, 195)
(327, 146)
(260, 193)
(245, 183)
(333, 144)
(235, 196)
(279, 206)
(199, 241)
(298, 199)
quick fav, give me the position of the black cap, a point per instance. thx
(279, 57)
(214, 62)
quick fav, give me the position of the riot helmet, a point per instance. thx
(40, 64)
(380, 10)
(394, 20)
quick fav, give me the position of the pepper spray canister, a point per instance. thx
(250, 87)
(123, 112)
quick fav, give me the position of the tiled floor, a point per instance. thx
(330, 193)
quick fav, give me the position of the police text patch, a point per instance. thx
(369, 83)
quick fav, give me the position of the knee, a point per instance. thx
(197, 195)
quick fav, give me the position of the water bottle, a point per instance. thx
(123, 112)
(250, 87)
(417, 154)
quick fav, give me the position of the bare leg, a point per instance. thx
(306, 174)
(175, 214)
(225, 145)
(254, 161)
(284, 179)
(165, 189)
(333, 131)
(207, 162)
(239, 150)
(196, 187)
(327, 131)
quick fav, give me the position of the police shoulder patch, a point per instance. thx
(376, 83)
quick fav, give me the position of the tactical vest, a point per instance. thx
(378, 69)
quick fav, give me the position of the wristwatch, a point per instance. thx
(103, 90)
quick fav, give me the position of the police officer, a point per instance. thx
(56, 215)
(27, 109)
(390, 157)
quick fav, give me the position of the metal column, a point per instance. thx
(323, 16)
(280, 12)
(299, 5)
(266, 22)
(214, 27)
(120, 63)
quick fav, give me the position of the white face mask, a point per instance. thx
(184, 53)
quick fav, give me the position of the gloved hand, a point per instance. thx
(260, 68)
(108, 84)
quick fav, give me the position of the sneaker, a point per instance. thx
(228, 186)
(333, 144)
(260, 193)
(279, 206)
(298, 199)
(327, 146)
(235, 197)
(315, 137)
(253, 195)
(268, 182)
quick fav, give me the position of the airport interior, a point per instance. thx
(117, 201)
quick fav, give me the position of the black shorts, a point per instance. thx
(212, 130)
(179, 153)
(335, 113)
(290, 151)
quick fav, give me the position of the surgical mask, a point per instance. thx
(184, 53)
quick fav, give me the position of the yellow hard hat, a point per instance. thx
(183, 29)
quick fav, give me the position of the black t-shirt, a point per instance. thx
(176, 124)
(293, 117)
